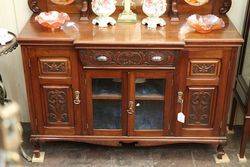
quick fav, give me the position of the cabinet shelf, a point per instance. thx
(106, 96)
(150, 97)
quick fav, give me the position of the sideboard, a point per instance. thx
(126, 84)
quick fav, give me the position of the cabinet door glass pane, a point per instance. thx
(107, 104)
(149, 87)
(106, 87)
(149, 103)
(149, 115)
(107, 114)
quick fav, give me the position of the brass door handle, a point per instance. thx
(77, 97)
(180, 100)
(130, 109)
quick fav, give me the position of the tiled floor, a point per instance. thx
(70, 154)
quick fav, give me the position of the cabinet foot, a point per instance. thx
(37, 147)
(220, 151)
(40, 159)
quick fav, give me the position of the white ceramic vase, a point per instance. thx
(103, 9)
(154, 9)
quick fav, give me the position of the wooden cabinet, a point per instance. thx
(127, 84)
(55, 86)
(207, 71)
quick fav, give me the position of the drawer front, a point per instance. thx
(54, 66)
(128, 57)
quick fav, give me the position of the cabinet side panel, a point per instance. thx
(28, 82)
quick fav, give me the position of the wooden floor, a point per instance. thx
(69, 154)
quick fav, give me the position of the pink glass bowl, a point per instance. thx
(52, 20)
(206, 23)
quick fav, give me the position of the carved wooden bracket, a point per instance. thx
(225, 6)
(222, 7)
(33, 4)
(85, 12)
(174, 11)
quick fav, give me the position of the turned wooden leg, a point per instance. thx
(85, 11)
(36, 150)
(245, 136)
(174, 12)
(233, 113)
(220, 151)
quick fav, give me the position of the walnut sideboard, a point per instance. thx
(127, 84)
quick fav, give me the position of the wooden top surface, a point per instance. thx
(128, 34)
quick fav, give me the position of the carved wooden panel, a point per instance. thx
(200, 105)
(50, 66)
(58, 104)
(128, 57)
(209, 67)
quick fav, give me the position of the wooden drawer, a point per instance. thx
(127, 57)
(54, 66)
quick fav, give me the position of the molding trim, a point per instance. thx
(226, 5)
(33, 4)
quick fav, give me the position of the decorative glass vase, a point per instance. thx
(154, 9)
(103, 9)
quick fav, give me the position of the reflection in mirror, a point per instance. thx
(196, 2)
(246, 65)
(62, 2)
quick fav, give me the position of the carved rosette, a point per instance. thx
(57, 105)
(33, 4)
(226, 5)
(200, 106)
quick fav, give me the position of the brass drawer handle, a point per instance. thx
(102, 58)
(156, 58)
(77, 97)
(130, 109)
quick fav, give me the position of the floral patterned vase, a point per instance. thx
(103, 9)
(154, 9)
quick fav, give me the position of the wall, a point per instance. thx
(237, 13)
(13, 15)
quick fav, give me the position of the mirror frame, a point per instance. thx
(241, 85)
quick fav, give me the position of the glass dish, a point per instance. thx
(52, 19)
(205, 23)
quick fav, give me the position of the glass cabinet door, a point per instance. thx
(104, 102)
(151, 94)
